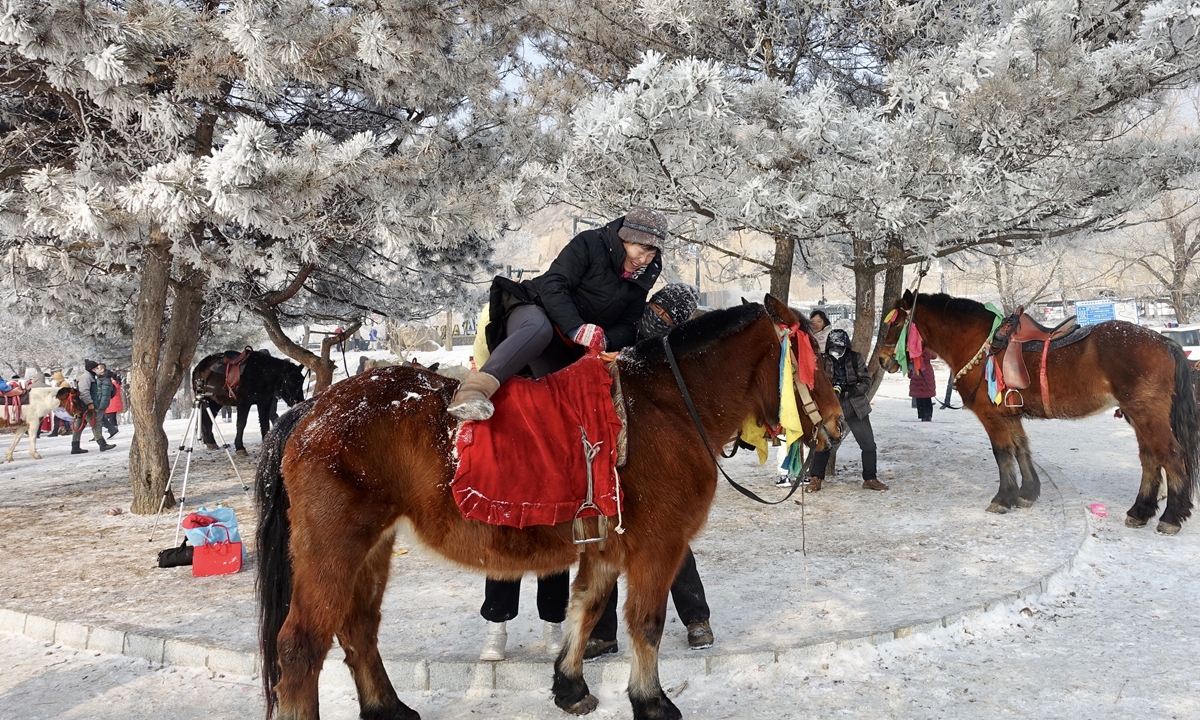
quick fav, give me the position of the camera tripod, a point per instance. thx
(186, 445)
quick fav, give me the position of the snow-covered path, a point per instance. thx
(1114, 639)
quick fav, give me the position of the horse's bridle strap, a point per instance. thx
(687, 399)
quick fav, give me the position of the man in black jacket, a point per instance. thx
(592, 296)
(847, 371)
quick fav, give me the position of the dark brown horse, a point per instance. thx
(377, 448)
(264, 381)
(1118, 364)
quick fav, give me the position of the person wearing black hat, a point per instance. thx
(95, 391)
(592, 296)
(673, 304)
(847, 370)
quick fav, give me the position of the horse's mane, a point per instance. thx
(699, 334)
(963, 306)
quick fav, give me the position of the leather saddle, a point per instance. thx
(229, 366)
(1020, 333)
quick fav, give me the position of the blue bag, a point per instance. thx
(215, 533)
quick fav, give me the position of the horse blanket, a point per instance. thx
(526, 465)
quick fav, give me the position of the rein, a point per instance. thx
(687, 399)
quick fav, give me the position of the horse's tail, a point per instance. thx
(1185, 418)
(274, 564)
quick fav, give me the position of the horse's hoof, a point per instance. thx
(1167, 528)
(36, 456)
(1023, 503)
(1131, 521)
(583, 707)
(210, 446)
(241, 452)
(997, 508)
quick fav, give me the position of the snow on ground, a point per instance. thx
(1114, 639)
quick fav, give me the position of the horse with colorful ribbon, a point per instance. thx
(339, 472)
(1114, 363)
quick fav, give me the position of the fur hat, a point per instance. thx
(678, 300)
(644, 226)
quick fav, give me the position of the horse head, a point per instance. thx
(896, 320)
(68, 399)
(826, 431)
(291, 385)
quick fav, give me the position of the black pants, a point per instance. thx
(924, 408)
(865, 437)
(502, 598)
(109, 421)
(687, 591)
(531, 341)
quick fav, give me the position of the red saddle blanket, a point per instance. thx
(526, 465)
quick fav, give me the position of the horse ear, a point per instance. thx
(906, 301)
(778, 311)
(745, 301)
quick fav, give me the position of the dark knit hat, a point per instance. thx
(644, 226)
(90, 365)
(678, 300)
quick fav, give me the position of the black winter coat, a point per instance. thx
(583, 285)
(850, 371)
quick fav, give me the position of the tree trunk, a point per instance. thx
(321, 366)
(159, 362)
(325, 376)
(893, 287)
(865, 270)
(781, 266)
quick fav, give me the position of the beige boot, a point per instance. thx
(473, 399)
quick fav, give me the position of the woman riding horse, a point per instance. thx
(594, 294)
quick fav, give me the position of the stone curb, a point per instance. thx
(415, 675)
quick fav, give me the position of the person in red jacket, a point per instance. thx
(114, 406)
(922, 385)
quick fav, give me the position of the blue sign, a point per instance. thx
(1091, 312)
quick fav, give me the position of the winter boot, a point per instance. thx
(814, 485)
(76, 450)
(700, 635)
(595, 648)
(104, 445)
(552, 635)
(473, 399)
(874, 484)
(493, 645)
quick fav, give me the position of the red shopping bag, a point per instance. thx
(220, 558)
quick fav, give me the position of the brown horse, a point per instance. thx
(1118, 364)
(377, 448)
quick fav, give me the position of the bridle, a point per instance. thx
(806, 398)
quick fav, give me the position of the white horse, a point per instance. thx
(42, 402)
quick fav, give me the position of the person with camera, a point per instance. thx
(847, 370)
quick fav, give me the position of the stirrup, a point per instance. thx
(579, 533)
(1020, 399)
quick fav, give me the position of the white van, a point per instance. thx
(1186, 335)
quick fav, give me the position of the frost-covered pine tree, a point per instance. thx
(176, 152)
(877, 135)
